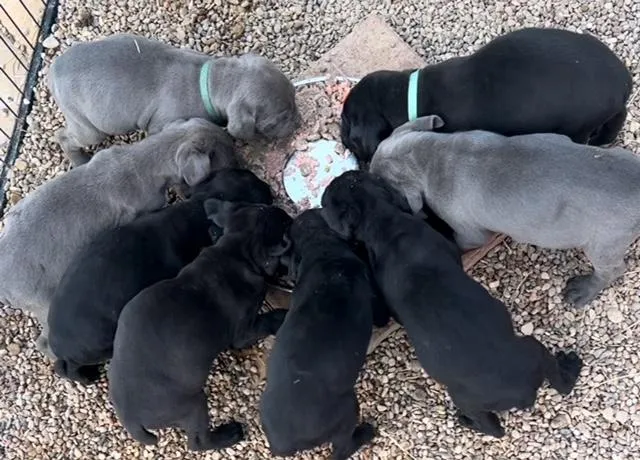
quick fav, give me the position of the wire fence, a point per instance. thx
(24, 24)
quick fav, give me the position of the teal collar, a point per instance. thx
(412, 96)
(204, 93)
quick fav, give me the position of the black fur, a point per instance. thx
(169, 335)
(463, 337)
(529, 81)
(121, 262)
(310, 399)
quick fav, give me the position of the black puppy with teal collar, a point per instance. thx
(532, 80)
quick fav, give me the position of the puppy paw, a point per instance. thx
(487, 423)
(570, 366)
(580, 290)
(364, 433)
(227, 434)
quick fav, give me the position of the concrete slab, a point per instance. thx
(371, 45)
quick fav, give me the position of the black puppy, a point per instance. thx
(528, 81)
(310, 398)
(169, 335)
(120, 262)
(463, 337)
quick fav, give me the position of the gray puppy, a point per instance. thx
(44, 230)
(540, 189)
(128, 82)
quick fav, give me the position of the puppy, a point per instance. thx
(169, 335)
(128, 82)
(541, 189)
(528, 81)
(463, 337)
(45, 229)
(310, 399)
(121, 262)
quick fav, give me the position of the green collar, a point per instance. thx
(412, 96)
(204, 92)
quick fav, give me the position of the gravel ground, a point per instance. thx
(43, 417)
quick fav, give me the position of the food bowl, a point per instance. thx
(300, 168)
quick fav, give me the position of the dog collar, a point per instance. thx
(412, 95)
(204, 92)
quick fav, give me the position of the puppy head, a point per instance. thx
(203, 147)
(264, 101)
(304, 228)
(233, 184)
(263, 226)
(350, 196)
(363, 124)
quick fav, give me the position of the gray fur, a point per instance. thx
(46, 228)
(128, 82)
(540, 189)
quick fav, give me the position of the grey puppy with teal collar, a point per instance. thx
(127, 82)
(541, 189)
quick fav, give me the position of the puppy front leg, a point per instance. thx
(263, 326)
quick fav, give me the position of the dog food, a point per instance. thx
(314, 163)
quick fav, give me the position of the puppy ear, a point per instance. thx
(218, 211)
(242, 120)
(340, 221)
(194, 164)
(282, 248)
(362, 135)
(215, 233)
(428, 123)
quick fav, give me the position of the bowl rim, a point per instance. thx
(305, 82)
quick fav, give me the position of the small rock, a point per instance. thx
(51, 42)
(560, 421)
(13, 349)
(527, 329)
(237, 30)
(14, 198)
(20, 165)
(615, 315)
(622, 416)
(608, 415)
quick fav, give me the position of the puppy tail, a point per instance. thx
(140, 434)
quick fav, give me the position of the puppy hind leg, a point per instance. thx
(200, 437)
(76, 136)
(351, 436)
(608, 264)
(471, 238)
(344, 448)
